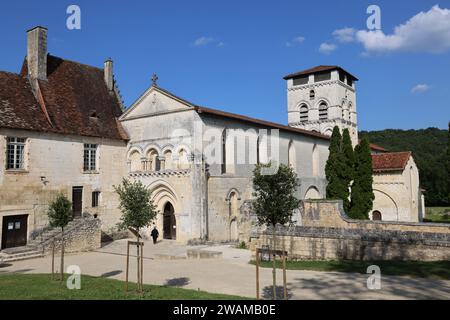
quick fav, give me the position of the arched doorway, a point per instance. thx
(376, 215)
(169, 222)
(234, 232)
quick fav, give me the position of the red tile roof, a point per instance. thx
(376, 147)
(392, 161)
(71, 95)
(317, 69)
(269, 124)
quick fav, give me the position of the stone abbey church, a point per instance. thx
(64, 129)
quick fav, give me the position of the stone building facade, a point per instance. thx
(64, 129)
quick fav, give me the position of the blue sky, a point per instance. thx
(232, 55)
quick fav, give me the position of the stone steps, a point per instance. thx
(20, 253)
(34, 248)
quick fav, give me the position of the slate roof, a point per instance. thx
(391, 161)
(72, 94)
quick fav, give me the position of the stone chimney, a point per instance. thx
(108, 73)
(37, 53)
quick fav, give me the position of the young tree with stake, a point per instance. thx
(59, 215)
(275, 200)
(138, 210)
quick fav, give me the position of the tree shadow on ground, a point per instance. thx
(111, 273)
(177, 282)
(268, 293)
(354, 286)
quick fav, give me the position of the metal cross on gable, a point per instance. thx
(154, 79)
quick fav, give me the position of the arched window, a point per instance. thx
(224, 151)
(153, 160)
(315, 161)
(312, 94)
(376, 215)
(350, 111)
(183, 161)
(303, 113)
(135, 161)
(323, 111)
(234, 216)
(168, 160)
(291, 155)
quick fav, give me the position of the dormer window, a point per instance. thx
(93, 114)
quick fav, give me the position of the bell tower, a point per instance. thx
(321, 98)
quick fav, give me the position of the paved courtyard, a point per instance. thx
(166, 264)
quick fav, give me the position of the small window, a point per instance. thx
(95, 198)
(342, 76)
(312, 94)
(90, 157)
(300, 80)
(322, 76)
(323, 111)
(15, 151)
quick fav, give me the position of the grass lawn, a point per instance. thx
(437, 214)
(432, 269)
(42, 287)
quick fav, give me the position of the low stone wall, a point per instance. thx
(84, 236)
(324, 232)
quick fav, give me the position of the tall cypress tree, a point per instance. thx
(347, 166)
(362, 193)
(448, 164)
(333, 167)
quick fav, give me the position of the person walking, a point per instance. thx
(155, 234)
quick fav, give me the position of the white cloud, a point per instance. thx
(327, 48)
(204, 41)
(420, 88)
(344, 35)
(425, 32)
(294, 41)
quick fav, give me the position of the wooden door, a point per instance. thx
(77, 201)
(14, 231)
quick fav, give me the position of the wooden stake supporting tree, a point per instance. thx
(275, 202)
(274, 254)
(139, 265)
(138, 211)
(59, 215)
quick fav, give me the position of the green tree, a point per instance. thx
(137, 207)
(59, 215)
(275, 200)
(347, 167)
(362, 193)
(138, 211)
(429, 148)
(448, 164)
(333, 167)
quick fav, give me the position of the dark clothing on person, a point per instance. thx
(155, 235)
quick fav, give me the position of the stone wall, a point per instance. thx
(84, 235)
(324, 232)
